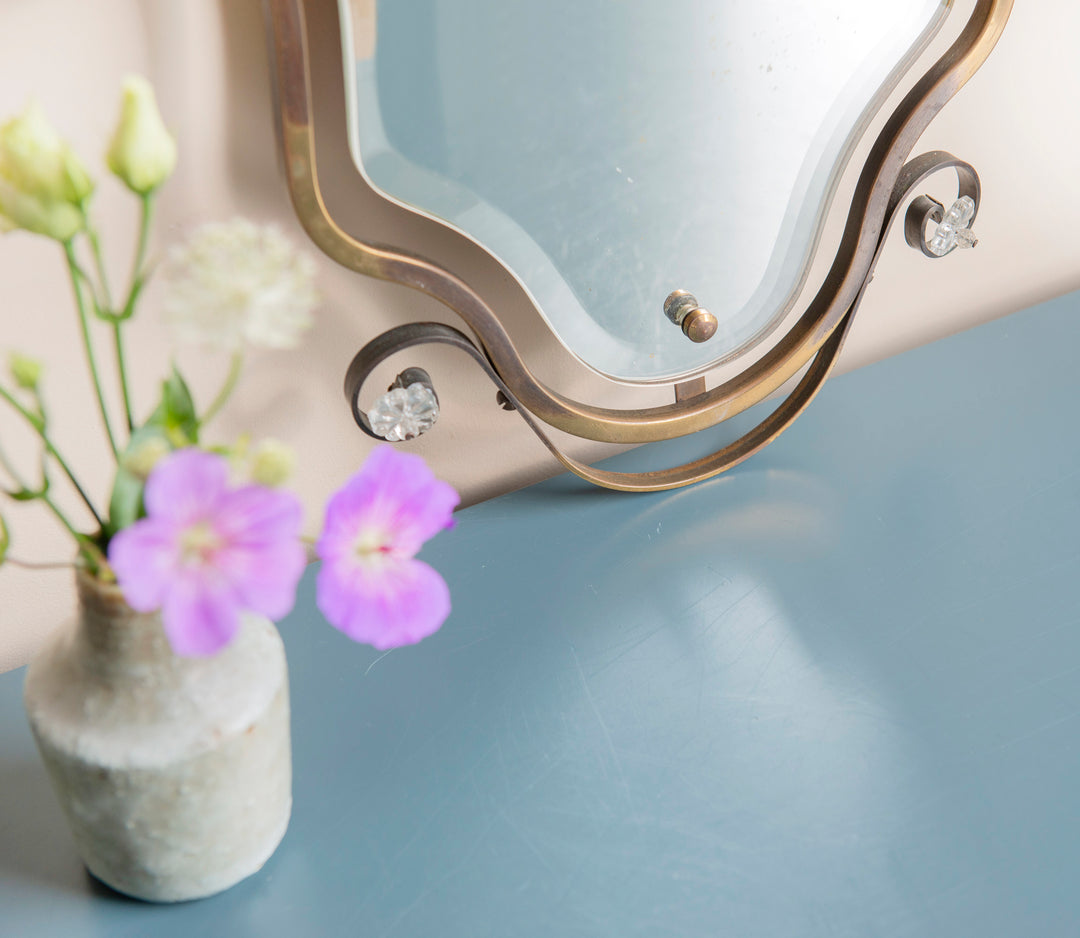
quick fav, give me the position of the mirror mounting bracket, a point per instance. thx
(811, 346)
(401, 338)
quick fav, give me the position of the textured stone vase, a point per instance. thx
(175, 773)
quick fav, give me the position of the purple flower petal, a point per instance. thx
(394, 493)
(206, 552)
(144, 560)
(185, 486)
(369, 586)
(265, 578)
(254, 514)
(384, 604)
(264, 558)
(200, 617)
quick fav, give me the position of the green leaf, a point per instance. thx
(175, 415)
(126, 501)
(5, 540)
(28, 495)
(24, 495)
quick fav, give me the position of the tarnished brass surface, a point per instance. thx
(401, 338)
(816, 335)
(684, 390)
(699, 325)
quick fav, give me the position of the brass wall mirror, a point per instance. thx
(658, 180)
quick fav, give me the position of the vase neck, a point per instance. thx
(111, 633)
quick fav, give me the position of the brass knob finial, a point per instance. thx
(697, 324)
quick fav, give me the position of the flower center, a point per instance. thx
(240, 297)
(198, 544)
(371, 545)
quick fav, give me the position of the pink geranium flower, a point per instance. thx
(370, 585)
(207, 552)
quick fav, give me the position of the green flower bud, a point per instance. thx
(141, 460)
(142, 153)
(25, 371)
(272, 463)
(43, 185)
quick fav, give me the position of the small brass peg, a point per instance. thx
(697, 324)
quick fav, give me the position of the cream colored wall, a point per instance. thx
(1016, 122)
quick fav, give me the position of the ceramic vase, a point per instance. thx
(174, 773)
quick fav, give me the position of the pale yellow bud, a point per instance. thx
(142, 153)
(141, 460)
(43, 185)
(272, 463)
(25, 371)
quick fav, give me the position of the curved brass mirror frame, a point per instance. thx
(814, 340)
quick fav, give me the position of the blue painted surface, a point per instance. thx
(834, 693)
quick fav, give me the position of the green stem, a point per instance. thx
(80, 302)
(79, 537)
(235, 367)
(40, 565)
(118, 341)
(92, 553)
(99, 262)
(138, 266)
(145, 217)
(51, 450)
(84, 543)
(99, 306)
(11, 470)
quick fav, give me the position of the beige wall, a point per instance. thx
(1016, 122)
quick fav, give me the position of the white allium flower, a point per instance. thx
(235, 283)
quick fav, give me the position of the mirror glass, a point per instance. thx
(609, 152)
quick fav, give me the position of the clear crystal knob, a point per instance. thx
(953, 231)
(404, 413)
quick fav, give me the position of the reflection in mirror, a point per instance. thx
(611, 153)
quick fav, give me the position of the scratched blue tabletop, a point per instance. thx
(834, 693)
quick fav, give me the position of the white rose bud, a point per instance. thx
(140, 461)
(43, 185)
(272, 463)
(142, 153)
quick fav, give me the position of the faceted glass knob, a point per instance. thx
(953, 231)
(404, 413)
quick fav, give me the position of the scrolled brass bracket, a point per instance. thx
(925, 210)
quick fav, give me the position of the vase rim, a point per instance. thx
(100, 596)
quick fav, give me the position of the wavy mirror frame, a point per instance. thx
(887, 181)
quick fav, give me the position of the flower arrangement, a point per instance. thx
(206, 532)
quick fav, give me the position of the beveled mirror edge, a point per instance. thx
(359, 46)
(813, 331)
